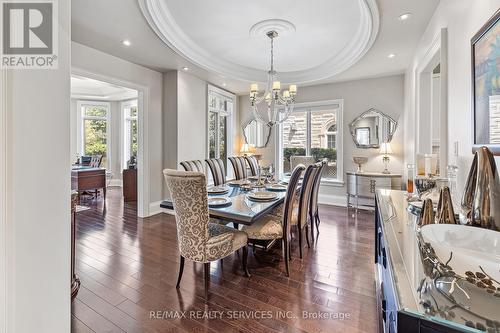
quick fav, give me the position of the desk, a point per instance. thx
(87, 179)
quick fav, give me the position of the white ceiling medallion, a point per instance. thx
(350, 27)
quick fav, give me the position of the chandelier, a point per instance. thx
(277, 106)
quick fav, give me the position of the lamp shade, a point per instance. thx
(245, 149)
(385, 148)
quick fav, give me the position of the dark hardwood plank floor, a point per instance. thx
(128, 269)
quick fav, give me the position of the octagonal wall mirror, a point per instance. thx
(256, 133)
(372, 128)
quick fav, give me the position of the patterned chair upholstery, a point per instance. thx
(198, 239)
(239, 167)
(305, 160)
(272, 227)
(253, 164)
(218, 170)
(194, 165)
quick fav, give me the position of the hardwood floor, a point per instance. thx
(128, 269)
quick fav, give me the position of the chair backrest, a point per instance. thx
(189, 196)
(253, 164)
(239, 167)
(194, 165)
(217, 168)
(306, 192)
(316, 186)
(304, 160)
(290, 199)
(95, 161)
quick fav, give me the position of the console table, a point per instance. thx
(364, 184)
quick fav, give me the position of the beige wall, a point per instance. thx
(462, 18)
(384, 94)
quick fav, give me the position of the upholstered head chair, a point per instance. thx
(271, 226)
(253, 164)
(218, 170)
(239, 166)
(304, 160)
(194, 165)
(198, 239)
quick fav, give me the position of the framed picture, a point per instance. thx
(485, 48)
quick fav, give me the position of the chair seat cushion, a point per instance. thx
(223, 241)
(267, 228)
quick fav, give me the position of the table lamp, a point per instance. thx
(245, 149)
(386, 150)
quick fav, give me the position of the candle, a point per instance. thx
(254, 87)
(293, 89)
(286, 94)
(276, 85)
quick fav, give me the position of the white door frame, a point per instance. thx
(439, 46)
(5, 318)
(143, 169)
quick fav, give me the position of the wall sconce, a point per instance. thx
(386, 150)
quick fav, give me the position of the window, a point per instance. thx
(313, 133)
(94, 130)
(130, 138)
(220, 110)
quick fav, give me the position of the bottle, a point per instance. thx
(410, 174)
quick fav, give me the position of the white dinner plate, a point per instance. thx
(217, 190)
(276, 187)
(262, 196)
(238, 182)
(218, 201)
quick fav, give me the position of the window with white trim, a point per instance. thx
(313, 133)
(220, 131)
(130, 138)
(94, 128)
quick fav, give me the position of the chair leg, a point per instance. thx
(307, 235)
(222, 264)
(236, 225)
(299, 231)
(181, 270)
(206, 267)
(311, 220)
(245, 261)
(286, 256)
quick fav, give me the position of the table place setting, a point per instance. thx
(262, 196)
(217, 189)
(216, 202)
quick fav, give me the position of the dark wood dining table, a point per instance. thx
(242, 210)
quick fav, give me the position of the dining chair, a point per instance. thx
(198, 239)
(304, 160)
(194, 165)
(218, 170)
(253, 164)
(271, 227)
(301, 211)
(239, 167)
(313, 209)
(95, 161)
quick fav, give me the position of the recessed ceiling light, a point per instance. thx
(391, 55)
(224, 84)
(185, 68)
(404, 17)
(126, 42)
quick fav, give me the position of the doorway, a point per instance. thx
(105, 137)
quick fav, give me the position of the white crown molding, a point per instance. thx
(163, 23)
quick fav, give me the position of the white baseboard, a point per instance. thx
(332, 200)
(154, 208)
(115, 182)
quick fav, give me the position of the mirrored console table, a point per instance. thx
(408, 300)
(361, 187)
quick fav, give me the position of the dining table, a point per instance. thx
(241, 209)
